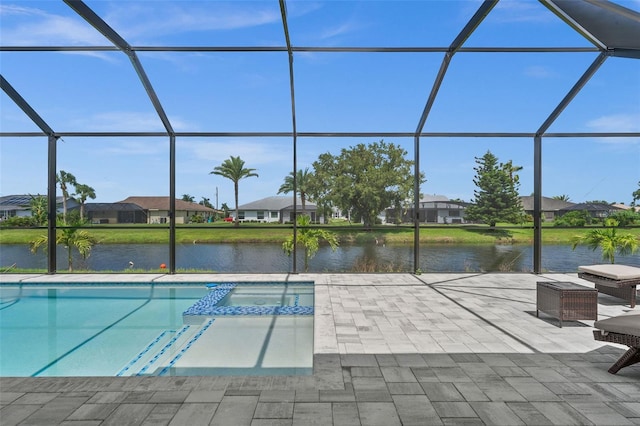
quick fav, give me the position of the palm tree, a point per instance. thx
(309, 238)
(39, 211)
(63, 178)
(206, 202)
(563, 197)
(303, 178)
(609, 241)
(188, 198)
(233, 169)
(511, 170)
(69, 237)
(82, 193)
(225, 210)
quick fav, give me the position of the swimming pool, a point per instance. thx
(160, 329)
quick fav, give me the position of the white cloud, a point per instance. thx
(538, 72)
(126, 121)
(616, 123)
(135, 146)
(149, 20)
(45, 29)
(253, 153)
(521, 11)
(338, 30)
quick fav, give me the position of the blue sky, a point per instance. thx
(335, 92)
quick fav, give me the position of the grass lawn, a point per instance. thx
(347, 233)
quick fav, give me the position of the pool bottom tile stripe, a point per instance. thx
(163, 350)
(144, 352)
(186, 347)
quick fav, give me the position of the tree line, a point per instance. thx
(365, 180)
(362, 180)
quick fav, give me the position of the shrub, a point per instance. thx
(196, 218)
(575, 218)
(19, 222)
(625, 217)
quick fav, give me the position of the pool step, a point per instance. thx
(160, 351)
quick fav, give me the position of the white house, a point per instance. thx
(277, 209)
(20, 205)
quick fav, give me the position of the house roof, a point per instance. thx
(591, 207)
(444, 204)
(22, 200)
(623, 206)
(162, 203)
(548, 204)
(276, 203)
(434, 197)
(102, 207)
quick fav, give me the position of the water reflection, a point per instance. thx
(269, 258)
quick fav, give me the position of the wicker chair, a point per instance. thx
(625, 330)
(615, 280)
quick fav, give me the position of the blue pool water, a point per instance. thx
(185, 329)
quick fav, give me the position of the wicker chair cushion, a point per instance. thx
(628, 323)
(613, 271)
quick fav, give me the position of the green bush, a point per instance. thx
(196, 218)
(19, 222)
(575, 218)
(625, 217)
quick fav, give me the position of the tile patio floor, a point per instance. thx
(390, 349)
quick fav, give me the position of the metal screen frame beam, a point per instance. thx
(578, 16)
(285, 27)
(332, 134)
(99, 24)
(95, 21)
(607, 25)
(537, 164)
(52, 140)
(468, 29)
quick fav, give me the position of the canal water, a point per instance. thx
(269, 258)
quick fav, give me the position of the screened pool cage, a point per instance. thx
(605, 30)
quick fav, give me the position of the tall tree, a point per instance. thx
(364, 179)
(496, 199)
(82, 193)
(188, 198)
(65, 179)
(302, 182)
(234, 170)
(563, 197)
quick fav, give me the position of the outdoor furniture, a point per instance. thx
(615, 280)
(625, 330)
(566, 301)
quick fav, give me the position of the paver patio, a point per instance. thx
(389, 349)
